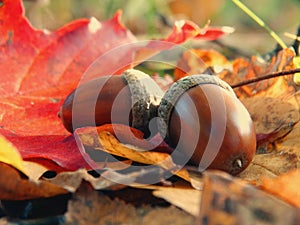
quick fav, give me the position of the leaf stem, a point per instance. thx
(250, 13)
(265, 77)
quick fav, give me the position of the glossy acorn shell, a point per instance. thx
(188, 105)
(138, 97)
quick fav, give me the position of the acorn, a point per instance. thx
(131, 98)
(207, 125)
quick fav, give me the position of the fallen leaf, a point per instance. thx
(186, 199)
(44, 67)
(14, 186)
(269, 113)
(34, 171)
(257, 66)
(285, 186)
(90, 207)
(105, 141)
(265, 140)
(72, 180)
(56, 152)
(197, 61)
(10, 155)
(124, 134)
(233, 200)
(290, 143)
(108, 179)
(269, 165)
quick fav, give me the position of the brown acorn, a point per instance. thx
(202, 118)
(131, 99)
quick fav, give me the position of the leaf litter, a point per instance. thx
(273, 105)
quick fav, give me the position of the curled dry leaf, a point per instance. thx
(106, 142)
(14, 186)
(34, 171)
(124, 134)
(233, 200)
(72, 180)
(108, 179)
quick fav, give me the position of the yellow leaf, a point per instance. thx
(112, 146)
(10, 155)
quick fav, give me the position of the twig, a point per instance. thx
(292, 36)
(265, 77)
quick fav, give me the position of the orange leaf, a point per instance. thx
(197, 61)
(285, 186)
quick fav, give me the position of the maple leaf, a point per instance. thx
(39, 68)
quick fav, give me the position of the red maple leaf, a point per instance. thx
(39, 68)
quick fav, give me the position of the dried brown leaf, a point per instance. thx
(269, 165)
(16, 187)
(112, 146)
(270, 114)
(186, 199)
(107, 180)
(230, 199)
(34, 171)
(89, 207)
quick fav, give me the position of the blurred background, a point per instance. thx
(154, 18)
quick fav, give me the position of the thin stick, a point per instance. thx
(265, 77)
(260, 22)
(292, 36)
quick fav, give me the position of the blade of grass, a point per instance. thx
(250, 13)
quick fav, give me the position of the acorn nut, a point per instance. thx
(202, 118)
(131, 98)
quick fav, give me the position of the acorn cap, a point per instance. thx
(145, 96)
(177, 89)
